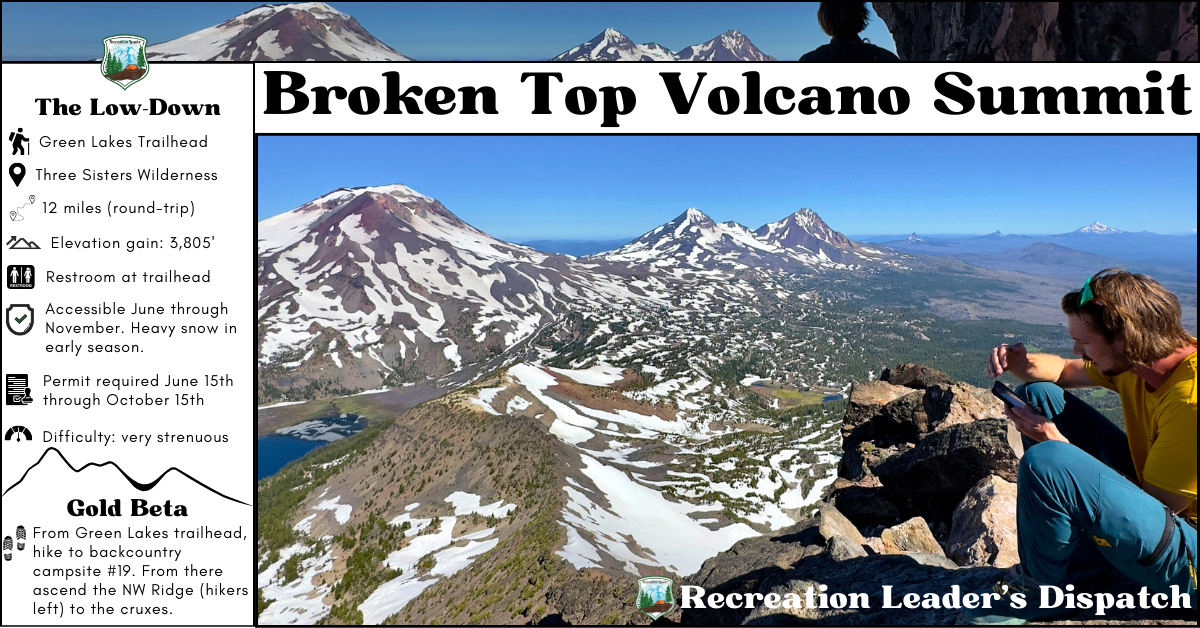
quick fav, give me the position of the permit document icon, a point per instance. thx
(655, 596)
(124, 61)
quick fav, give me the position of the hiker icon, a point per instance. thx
(18, 433)
(20, 143)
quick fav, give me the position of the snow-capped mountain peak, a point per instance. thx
(1097, 227)
(805, 230)
(613, 45)
(694, 240)
(731, 45)
(305, 31)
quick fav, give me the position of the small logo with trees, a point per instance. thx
(655, 596)
(124, 61)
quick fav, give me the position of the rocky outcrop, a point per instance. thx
(843, 541)
(863, 502)
(932, 480)
(914, 376)
(1042, 31)
(915, 449)
(984, 527)
(912, 536)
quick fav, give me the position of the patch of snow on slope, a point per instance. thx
(662, 527)
(600, 375)
(298, 601)
(467, 503)
(341, 512)
(569, 426)
(394, 595)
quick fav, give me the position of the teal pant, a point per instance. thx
(1076, 515)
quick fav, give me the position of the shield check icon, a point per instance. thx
(19, 318)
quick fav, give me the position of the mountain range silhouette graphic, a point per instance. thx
(132, 482)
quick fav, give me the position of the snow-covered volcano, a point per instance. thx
(694, 240)
(306, 31)
(613, 45)
(805, 231)
(1098, 227)
(728, 46)
(365, 283)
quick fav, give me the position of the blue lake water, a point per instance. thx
(276, 450)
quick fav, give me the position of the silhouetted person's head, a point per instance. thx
(841, 19)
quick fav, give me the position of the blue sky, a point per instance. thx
(586, 187)
(477, 31)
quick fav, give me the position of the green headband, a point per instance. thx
(1085, 293)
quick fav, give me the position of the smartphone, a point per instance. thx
(1009, 397)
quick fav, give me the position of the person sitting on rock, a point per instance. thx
(843, 21)
(1090, 497)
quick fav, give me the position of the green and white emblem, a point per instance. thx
(655, 596)
(124, 61)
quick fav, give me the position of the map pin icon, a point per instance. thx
(16, 172)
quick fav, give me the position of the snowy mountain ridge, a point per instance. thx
(613, 45)
(693, 240)
(306, 31)
(362, 280)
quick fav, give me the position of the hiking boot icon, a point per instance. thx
(8, 548)
(20, 538)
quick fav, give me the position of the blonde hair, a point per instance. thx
(1133, 308)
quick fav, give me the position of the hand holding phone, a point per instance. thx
(1009, 397)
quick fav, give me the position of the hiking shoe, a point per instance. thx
(1003, 613)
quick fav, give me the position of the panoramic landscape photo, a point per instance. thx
(500, 379)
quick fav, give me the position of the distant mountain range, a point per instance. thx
(613, 45)
(1108, 244)
(578, 248)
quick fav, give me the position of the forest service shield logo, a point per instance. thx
(124, 61)
(656, 596)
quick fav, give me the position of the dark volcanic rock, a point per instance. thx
(931, 479)
(906, 418)
(859, 463)
(914, 376)
(867, 399)
(1041, 31)
(752, 565)
(865, 506)
(865, 407)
